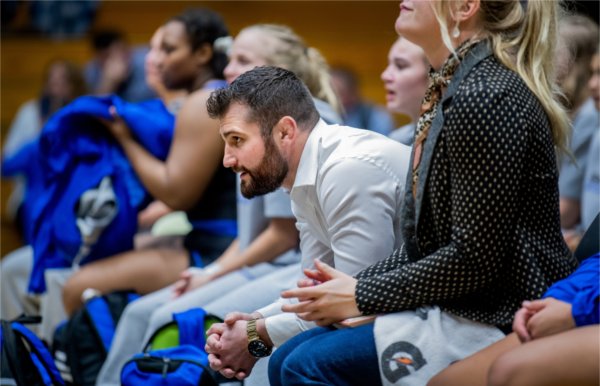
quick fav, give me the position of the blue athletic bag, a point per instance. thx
(181, 365)
(25, 359)
(81, 344)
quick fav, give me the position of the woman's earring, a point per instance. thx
(455, 31)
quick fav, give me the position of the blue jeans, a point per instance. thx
(327, 356)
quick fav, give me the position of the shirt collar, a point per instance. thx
(308, 167)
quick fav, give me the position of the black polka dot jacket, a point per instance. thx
(483, 233)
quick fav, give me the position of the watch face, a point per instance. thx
(258, 349)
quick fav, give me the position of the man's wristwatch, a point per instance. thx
(256, 347)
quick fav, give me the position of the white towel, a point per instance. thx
(413, 346)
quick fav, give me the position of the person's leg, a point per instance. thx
(473, 370)
(144, 271)
(15, 269)
(255, 294)
(281, 353)
(51, 306)
(568, 358)
(327, 359)
(129, 335)
(196, 298)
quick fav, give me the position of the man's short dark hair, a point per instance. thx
(270, 93)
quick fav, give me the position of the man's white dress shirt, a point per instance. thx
(346, 198)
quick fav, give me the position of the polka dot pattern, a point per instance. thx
(488, 235)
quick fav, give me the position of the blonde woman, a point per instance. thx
(481, 223)
(405, 82)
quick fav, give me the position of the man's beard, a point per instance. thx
(268, 175)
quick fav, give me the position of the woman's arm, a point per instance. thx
(484, 158)
(195, 155)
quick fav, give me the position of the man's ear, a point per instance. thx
(203, 54)
(285, 130)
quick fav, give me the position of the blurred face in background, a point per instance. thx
(248, 51)
(405, 78)
(177, 63)
(594, 83)
(153, 57)
(59, 85)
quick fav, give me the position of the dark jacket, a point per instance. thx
(483, 233)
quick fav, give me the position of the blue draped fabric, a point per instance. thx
(74, 153)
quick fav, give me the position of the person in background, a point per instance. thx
(483, 208)
(173, 100)
(62, 83)
(578, 40)
(590, 200)
(192, 177)
(555, 340)
(405, 82)
(358, 112)
(117, 68)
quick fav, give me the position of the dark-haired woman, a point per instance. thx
(192, 177)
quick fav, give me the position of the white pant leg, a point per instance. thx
(129, 335)
(260, 374)
(206, 294)
(51, 303)
(256, 294)
(251, 297)
(15, 269)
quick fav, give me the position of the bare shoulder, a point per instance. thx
(194, 111)
(198, 98)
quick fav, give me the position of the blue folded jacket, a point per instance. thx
(74, 153)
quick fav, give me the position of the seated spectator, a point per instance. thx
(358, 112)
(555, 340)
(218, 186)
(405, 82)
(578, 38)
(192, 177)
(341, 222)
(17, 266)
(117, 68)
(173, 100)
(62, 83)
(590, 201)
(467, 225)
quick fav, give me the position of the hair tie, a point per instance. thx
(223, 44)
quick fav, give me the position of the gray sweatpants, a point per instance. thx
(15, 300)
(245, 290)
(15, 269)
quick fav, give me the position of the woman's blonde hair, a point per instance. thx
(523, 36)
(307, 63)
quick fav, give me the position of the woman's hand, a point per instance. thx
(551, 317)
(155, 210)
(544, 317)
(324, 303)
(117, 126)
